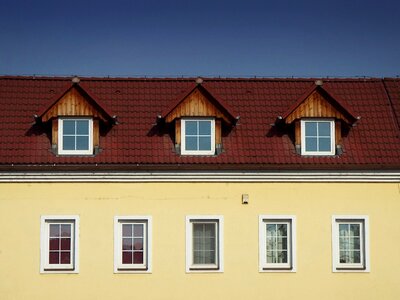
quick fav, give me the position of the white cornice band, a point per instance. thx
(193, 176)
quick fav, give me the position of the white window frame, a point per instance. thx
(60, 138)
(291, 266)
(198, 268)
(45, 221)
(364, 266)
(303, 137)
(183, 137)
(146, 267)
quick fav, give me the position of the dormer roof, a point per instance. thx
(198, 101)
(317, 102)
(75, 100)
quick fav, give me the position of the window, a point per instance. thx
(59, 244)
(350, 243)
(132, 244)
(204, 243)
(75, 136)
(198, 136)
(277, 236)
(317, 137)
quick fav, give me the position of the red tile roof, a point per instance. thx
(137, 142)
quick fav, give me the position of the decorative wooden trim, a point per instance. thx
(196, 104)
(315, 106)
(297, 132)
(73, 104)
(338, 132)
(54, 131)
(96, 133)
(218, 132)
(178, 131)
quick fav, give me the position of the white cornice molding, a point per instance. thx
(199, 176)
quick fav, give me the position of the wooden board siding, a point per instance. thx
(196, 104)
(96, 130)
(178, 131)
(218, 132)
(54, 134)
(315, 106)
(73, 103)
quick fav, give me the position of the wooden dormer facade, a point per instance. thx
(75, 102)
(319, 104)
(199, 103)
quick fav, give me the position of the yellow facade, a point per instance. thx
(313, 204)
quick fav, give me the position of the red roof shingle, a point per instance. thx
(374, 142)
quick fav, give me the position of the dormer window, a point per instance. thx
(75, 136)
(318, 118)
(317, 137)
(198, 136)
(76, 117)
(198, 119)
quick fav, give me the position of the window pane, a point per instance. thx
(54, 257)
(191, 127)
(204, 143)
(66, 257)
(138, 257)
(127, 257)
(354, 243)
(68, 143)
(191, 143)
(82, 127)
(311, 128)
(138, 244)
(271, 245)
(54, 230)
(343, 244)
(54, 244)
(356, 257)
(204, 127)
(209, 230)
(282, 257)
(282, 229)
(66, 244)
(311, 144)
(138, 230)
(68, 127)
(271, 257)
(66, 230)
(209, 257)
(282, 243)
(324, 144)
(324, 129)
(355, 229)
(82, 143)
(127, 230)
(343, 230)
(127, 244)
(271, 229)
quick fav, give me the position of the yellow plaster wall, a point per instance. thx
(21, 206)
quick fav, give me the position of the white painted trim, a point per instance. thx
(336, 268)
(44, 220)
(219, 219)
(303, 137)
(262, 265)
(203, 176)
(183, 137)
(60, 137)
(117, 243)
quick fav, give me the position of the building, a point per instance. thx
(114, 188)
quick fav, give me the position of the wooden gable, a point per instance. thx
(74, 103)
(316, 105)
(197, 104)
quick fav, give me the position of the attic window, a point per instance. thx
(317, 137)
(75, 136)
(198, 136)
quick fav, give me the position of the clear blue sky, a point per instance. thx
(206, 38)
